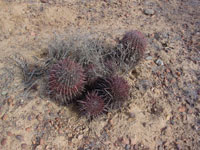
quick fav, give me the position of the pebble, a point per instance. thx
(157, 36)
(28, 129)
(60, 131)
(149, 58)
(24, 146)
(159, 62)
(4, 93)
(30, 117)
(149, 11)
(157, 45)
(3, 141)
(39, 147)
(19, 137)
(127, 147)
(10, 102)
(164, 35)
(131, 114)
(9, 133)
(182, 109)
(39, 117)
(178, 73)
(4, 117)
(80, 137)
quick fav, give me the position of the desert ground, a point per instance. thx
(163, 112)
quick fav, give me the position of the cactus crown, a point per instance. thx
(93, 104)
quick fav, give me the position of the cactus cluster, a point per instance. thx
(91, 80)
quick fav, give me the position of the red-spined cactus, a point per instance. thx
(66, 80)
(115, 90)
(133, 47)
(93, 104)
(119, 90)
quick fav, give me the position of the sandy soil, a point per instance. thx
(163, 112)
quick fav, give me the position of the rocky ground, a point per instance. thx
(163, 112)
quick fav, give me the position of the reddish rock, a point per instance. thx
(24, 146)
(3, 141)
(182, 109)
(9, 133)
(28, 129)
(5, 117)
(178, 73)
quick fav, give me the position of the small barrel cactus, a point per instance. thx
(66, 80)
(114, 89)
(119, 89)
(93, 104)
(133, 47)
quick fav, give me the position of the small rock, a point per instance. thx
(44, 1)
(167, 70)
(19, 137)
(39, 117)
(159, 62)
(3, 141)
(10, 101)
(39, 147)
(28, 129)
(30, 117)
(41, 8)
(127, 147)
(144, 85)
(165, 35)
(157, 45)
(4, 93)
(178, 73)
(5, 117)
(131, 114)
(80, 137)
(24, 146)
(157, 36)
(182, 109)
(9, 133)
(32, 33)
(149, 11)
(149, 58)
(60, 131)
(148, 3)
